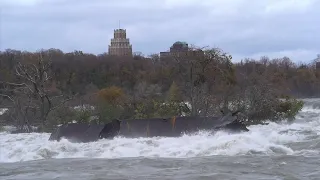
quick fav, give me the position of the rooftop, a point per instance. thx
(181, 43)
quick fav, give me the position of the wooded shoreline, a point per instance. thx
(39, 88)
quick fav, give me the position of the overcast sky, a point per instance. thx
(243, 28)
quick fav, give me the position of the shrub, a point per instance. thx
(289, 108)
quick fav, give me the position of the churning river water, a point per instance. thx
(274, 151)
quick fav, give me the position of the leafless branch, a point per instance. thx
(62, 103)
(9, 97)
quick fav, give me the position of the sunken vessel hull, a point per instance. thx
(164, 127)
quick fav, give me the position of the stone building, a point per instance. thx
(181, 49)
(120, 44)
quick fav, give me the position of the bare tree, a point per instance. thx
(32, 93)
(200, 71)
(20, 104)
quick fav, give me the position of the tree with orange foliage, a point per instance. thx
(113, 95)
(110, 103)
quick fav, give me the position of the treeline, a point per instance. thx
(40, 87)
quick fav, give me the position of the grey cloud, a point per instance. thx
(241, 27)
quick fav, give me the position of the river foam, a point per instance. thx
(299, 138)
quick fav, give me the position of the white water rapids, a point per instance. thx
(299, 138)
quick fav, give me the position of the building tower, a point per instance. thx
(120, 44)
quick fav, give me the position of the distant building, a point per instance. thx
(318, 62)
(181, 49)
(120, 44)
